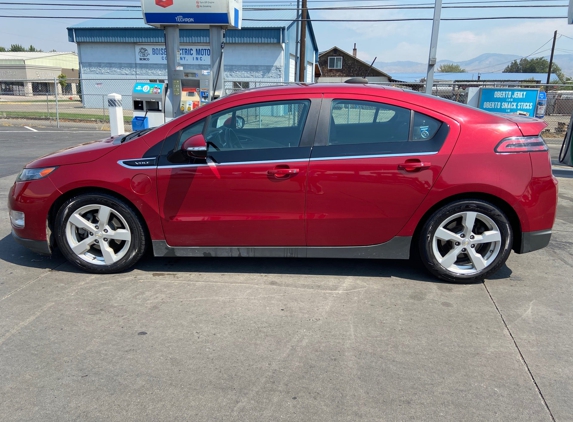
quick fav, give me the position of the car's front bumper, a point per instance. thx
(39, 246)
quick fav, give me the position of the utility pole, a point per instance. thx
(433, 47)
(297, 47)
(302, 56)
(551, 59)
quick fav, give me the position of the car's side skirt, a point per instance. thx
(397, 248)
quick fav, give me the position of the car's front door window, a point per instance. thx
(260, 126)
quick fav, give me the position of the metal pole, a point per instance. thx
(174, 72)
(433, 46)
(302, 64)
(216, 42)
(297, 64)
(57, 108)
(551, 59)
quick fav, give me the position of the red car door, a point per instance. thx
(251, 189)
(372, 165)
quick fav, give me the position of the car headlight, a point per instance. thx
(34, 174)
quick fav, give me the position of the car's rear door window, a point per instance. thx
(355, 122)
(367, 127)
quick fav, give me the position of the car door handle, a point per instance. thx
(282, 172)
(414, 165)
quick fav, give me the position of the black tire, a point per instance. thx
(81, 237)
(455, 252)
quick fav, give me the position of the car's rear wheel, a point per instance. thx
(465, 241)
(99, 233)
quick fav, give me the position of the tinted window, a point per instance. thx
(359, 122)
(425, 127)
(258, 126)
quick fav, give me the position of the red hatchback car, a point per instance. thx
(327, 171)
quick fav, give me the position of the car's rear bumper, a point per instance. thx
(39, 246)
(532, 241)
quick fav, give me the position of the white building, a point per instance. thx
(37, 73)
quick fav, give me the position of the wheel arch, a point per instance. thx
(492, 199)
(87, 191)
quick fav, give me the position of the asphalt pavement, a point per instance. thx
(279, 339)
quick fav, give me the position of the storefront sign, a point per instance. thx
(193, 13)
(509, 100)
(156, 54)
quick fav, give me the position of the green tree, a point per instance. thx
(2, 49)
(536, 65)
(34, 49)
(16, 47)
(62, 80)
(450, 68)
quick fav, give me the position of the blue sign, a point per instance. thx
(509, 100)
(147, 88)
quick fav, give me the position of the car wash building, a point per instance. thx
(119, 49)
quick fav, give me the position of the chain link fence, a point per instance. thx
(84, 101)
(59, 102)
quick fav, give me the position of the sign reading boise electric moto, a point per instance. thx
(193, 12)
(509, 100)
(157, 54)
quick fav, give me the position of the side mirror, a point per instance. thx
(240, 122)
(195, 146)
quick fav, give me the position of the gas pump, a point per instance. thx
(148, 105)
(566, 152)
(194, 89)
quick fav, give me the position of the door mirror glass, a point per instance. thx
(195, 146)
(240, 122)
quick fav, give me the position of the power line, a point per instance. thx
(309, 20)
(67, 5)
(411, 6)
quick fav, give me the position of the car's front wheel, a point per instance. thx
(99, 233)
(465, 241)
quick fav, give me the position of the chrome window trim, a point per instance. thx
(358, 157)
(298, 160)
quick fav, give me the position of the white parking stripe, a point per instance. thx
(33, 130)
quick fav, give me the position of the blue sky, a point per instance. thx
(388, 41)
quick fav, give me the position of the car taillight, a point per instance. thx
(521, 144)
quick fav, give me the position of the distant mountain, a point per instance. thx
(485, 63)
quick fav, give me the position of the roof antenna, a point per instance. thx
(370, 68)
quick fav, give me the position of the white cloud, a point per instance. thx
(466, 37)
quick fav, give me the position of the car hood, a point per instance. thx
(83, 153)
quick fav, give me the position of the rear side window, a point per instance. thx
(425, 127)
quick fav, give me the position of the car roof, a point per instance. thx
(458, 111)
(445, 106)
(319, 88)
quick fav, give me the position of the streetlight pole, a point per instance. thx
(433, 46)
